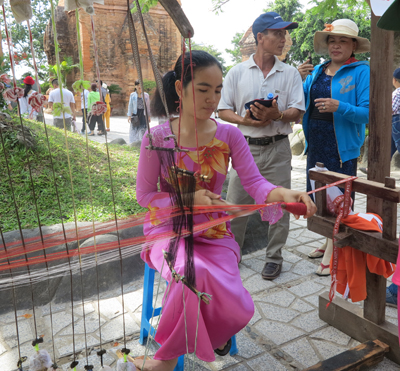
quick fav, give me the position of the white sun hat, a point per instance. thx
(340, 27)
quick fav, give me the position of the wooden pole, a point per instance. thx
(380, 130)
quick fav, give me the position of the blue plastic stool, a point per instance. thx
(147, 311)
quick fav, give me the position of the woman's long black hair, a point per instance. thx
(200, 59)
(27, 89)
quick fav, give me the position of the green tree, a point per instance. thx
(20, 35)
(114, 89)
(325, 7)
(149, 85)
(66, 67)
(213, 51)
(235, 53)
(287, 9)
(145, 5)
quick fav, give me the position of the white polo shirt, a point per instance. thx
(86, 92)
(68, 98)
(245, 82)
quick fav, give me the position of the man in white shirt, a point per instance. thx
(84, 98)
(267, 134)
(69, 101)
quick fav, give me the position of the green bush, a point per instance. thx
(149, 85)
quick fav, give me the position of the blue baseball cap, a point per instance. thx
(271, 21)
(396, 73)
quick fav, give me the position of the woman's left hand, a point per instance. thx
(326, 105)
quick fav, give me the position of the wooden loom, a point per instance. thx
(382, 198)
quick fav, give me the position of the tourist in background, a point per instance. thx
(337, 106)
(137, 117)
(106, 116)
(68, 101)
(84, 106)
(25, 107)
(93, 97)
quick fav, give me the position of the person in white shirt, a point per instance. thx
(84, 98)
(68, 100)
(266, 129)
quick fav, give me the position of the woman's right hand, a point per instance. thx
(305, 69)
(205, 197)
(129, 119)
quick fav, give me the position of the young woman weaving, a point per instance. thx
(215, 253)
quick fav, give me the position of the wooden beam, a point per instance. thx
(380, 109)
(344, 239)
(348, 318)
(364, 186)
(375, 303)
(389, 213)
(320, 200)
(368, 242)
(175, 11)
(365, 355)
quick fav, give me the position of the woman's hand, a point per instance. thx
(129, 119)
(289, 195)
(305, 69)
(326, 104)
(205, 197)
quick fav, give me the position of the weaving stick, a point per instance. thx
(177, 277)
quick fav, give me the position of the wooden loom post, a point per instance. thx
(369, 323)
(380, 129)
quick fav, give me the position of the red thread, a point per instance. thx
(194, 104)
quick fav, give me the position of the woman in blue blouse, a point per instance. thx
(337, 105)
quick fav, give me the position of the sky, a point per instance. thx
(219, 30)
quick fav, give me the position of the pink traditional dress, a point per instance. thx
(216, 253)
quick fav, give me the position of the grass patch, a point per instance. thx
(48, 164)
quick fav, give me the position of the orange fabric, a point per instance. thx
(352, 263)
(106, 116)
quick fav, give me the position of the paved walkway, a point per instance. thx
(284, 334)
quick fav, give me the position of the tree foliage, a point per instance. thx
(235, 53)
(20, 34)
(328, 8)
(66, 67)
(213, 51)
(145, 5)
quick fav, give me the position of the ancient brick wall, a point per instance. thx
(114, 48)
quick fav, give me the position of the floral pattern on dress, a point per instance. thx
(218, 231)
(213, 157)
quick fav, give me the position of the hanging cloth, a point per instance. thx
(86, 5)
(21, 9)
(352, 263)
